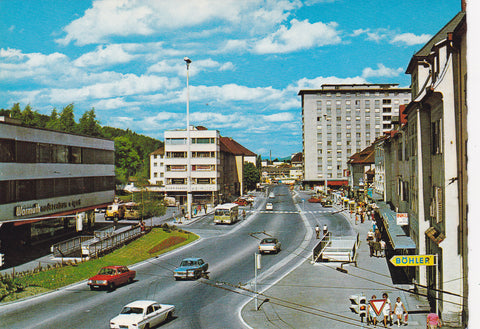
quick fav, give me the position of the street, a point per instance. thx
(211, 302)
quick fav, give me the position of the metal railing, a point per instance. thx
(68, 247)
(98, 246)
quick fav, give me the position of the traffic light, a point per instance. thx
(359, 305)
(363, 306)
(1, 259)
(355, 301)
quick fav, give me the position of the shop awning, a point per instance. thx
(398, 238)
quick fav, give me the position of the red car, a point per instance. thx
(111, 277)
(315, 200)
(241, 202)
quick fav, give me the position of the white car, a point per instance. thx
(269, 245)
(142, 314)
(269, 206)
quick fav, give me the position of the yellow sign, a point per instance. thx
(413, 260)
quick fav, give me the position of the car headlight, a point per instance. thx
(90, 281)
(102, 282)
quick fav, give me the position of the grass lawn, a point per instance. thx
(136, 251)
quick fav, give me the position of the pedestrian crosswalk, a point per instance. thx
(290, 212)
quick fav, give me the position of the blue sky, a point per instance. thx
(249, 59)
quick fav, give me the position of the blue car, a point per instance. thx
(190, 268)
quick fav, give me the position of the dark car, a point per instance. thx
(190, 268)
(111, 277)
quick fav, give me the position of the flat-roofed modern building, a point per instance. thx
(46, 178)
(340, 120)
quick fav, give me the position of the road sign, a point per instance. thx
(402, 219)
(377, 305)
(413, 260)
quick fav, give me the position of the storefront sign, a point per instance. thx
(402, 219)
(36, 208)
(413, 260)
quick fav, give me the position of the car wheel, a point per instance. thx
(111, 286)
(176, 279)
(169, 316)
(92, 288)
(147, 326)
(130, 280)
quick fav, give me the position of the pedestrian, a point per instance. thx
(433, 321)
(371, 246)
(317, 231)
(398, 310)
(371, 315)
(383, 245)
(244, 214)
(387, 310)
(374, 225)
(325, 229)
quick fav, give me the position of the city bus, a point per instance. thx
(226, 213)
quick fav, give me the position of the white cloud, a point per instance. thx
(105, 55)
(279, 117)
(109, 18)
(317, 83)
(411, 39)
(129, 84)
(301, 35)
(381, 71)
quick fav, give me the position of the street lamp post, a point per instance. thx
(189, 173)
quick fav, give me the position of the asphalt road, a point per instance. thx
(210, 302)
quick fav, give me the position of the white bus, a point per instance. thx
(226, 213)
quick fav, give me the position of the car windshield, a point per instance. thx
(268, 241)
(188, 263)
(132, 310)
(107, 271)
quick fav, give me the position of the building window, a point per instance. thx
(387, 101)
(437, 137)
(175, 141)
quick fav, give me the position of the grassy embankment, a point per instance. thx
(157, 242)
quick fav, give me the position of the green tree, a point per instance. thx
(127, 160)
(89, 125)
(251, 176)
(16, 112)
(67, 119)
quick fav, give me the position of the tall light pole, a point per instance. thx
(189, 172)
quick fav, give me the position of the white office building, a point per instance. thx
(340, 120)
(204, 160)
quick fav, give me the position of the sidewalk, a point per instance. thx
(317, 295)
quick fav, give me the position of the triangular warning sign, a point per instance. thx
(377, 305)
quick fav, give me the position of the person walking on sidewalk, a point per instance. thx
(317, 231)
(433, 321)
(325, 229)
(387, 310)
(398, 310)
(371, 315)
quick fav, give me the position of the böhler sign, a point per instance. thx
(413, 260)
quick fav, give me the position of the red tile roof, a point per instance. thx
(228, 144)
(365, 156)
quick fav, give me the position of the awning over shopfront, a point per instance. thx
(398, 238)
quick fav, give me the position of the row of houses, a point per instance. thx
(419, 169)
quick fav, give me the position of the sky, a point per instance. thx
(250, 58)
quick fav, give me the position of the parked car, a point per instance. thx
(142, 314)
(269, 245)
(190, 268)
(315, 200)
(269, 206)
(100, 210)
(111, 277)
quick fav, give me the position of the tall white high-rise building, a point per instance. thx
(340, 120)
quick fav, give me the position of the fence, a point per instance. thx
(68, 247)
(98, 246)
